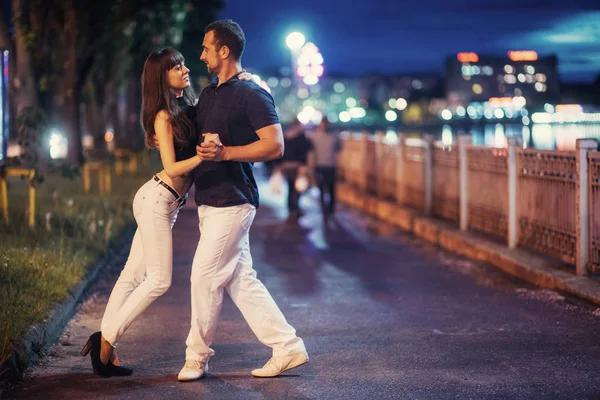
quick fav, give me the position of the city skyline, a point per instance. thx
(400, 38)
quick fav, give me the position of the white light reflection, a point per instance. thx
(447, 135)
(499, 136)
(543, 137)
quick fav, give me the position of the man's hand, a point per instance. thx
(211, 149)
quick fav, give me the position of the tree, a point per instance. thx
(30, 118)
(154, 24)
(191, 44)
(74, 51)
(24, 80)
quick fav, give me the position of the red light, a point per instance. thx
(500, 101)
(569, 108)
(317, 70)
(467, 57)
(303, 71)
(523, 55)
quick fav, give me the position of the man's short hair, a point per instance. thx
(228, 33)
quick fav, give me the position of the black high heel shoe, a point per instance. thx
(117, 370)
(93, 346)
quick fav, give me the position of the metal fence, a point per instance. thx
(536, 207)
(387, 185)
(547, 197)
(413, 159)
(371, 165)
(445, 182)
(487, 174)
(350, 165)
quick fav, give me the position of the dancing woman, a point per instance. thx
(147, 273)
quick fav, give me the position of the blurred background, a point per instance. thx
(494, 69)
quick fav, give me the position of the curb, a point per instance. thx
(534, 268)
(41, 336)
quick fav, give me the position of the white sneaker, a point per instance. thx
(193, 370)
(276, 365)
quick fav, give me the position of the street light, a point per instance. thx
(295, 40)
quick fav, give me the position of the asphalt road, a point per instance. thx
(383, 317)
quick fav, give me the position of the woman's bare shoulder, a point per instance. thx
(162, 115)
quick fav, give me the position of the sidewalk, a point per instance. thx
(541, 271)
(383, 316)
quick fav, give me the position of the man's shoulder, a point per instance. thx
(251, 88)
(204, 94)
(205, 90)
(249, 84)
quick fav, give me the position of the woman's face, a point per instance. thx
(178, 77)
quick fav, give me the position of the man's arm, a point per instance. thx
(268, 147)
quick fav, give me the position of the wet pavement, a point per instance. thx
(383, 317)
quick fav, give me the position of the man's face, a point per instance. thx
(210, 55)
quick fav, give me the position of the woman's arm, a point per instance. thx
(164, 135)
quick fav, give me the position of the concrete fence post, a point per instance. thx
(463, 142)
(400, 169)
(513, 217)
(364, 148)
(583, 205)
(428, 174)
(379, 173)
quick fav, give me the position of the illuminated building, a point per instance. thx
(472, 77)
(354, 101)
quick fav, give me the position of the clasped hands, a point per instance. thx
(211, 148)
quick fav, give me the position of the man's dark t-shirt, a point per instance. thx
(235, 110)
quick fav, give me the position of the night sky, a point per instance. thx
(394, 37)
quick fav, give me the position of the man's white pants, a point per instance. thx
(223, 261)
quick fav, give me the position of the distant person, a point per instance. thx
(293, 164)
(326, 144)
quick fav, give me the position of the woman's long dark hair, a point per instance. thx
(157, 95)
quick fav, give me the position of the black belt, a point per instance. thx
(179, 199)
